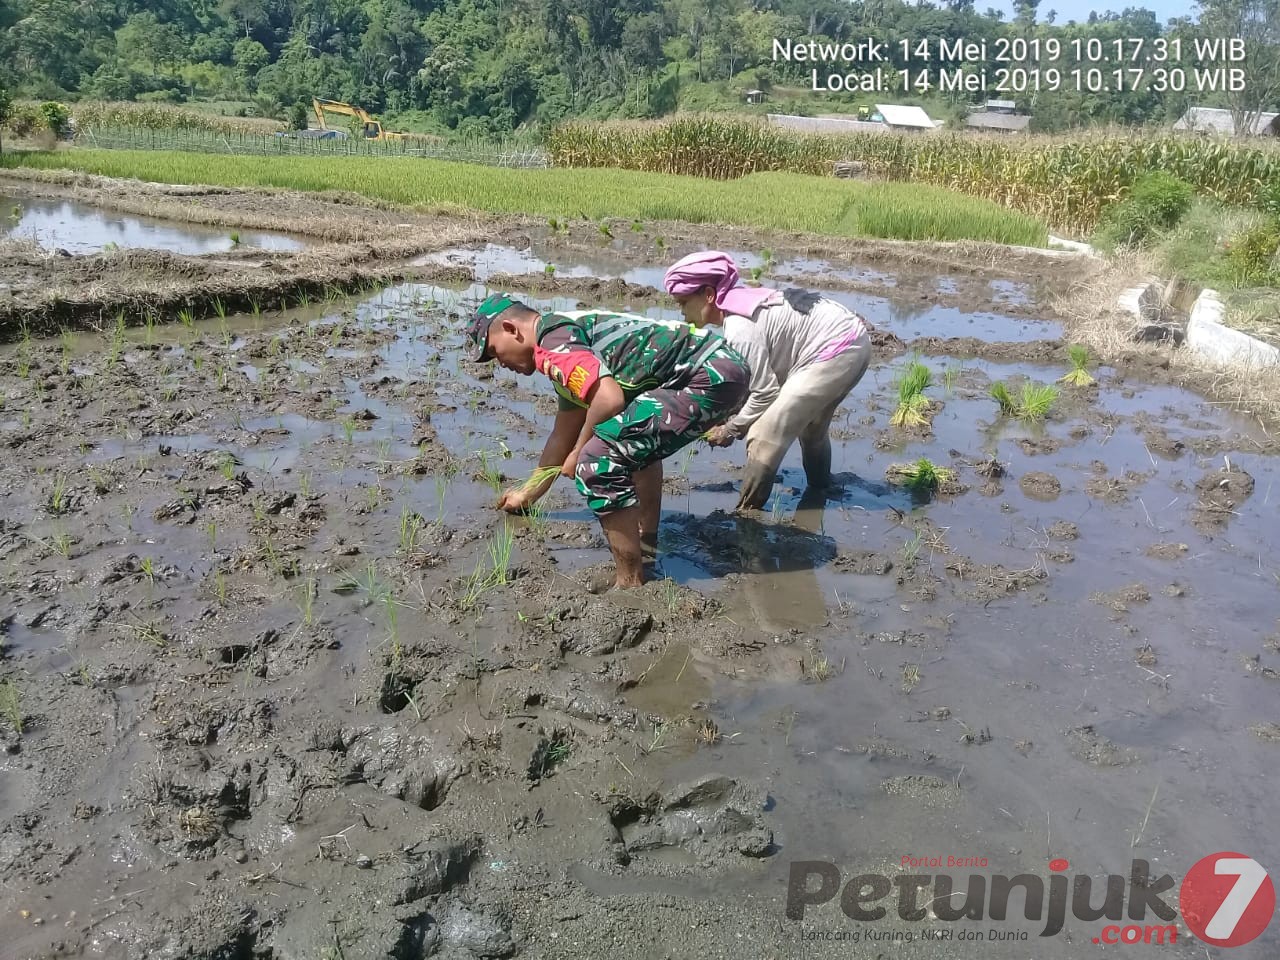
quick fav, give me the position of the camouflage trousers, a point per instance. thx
(656, 424)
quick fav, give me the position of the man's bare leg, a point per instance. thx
(649, 492)
(622, 529)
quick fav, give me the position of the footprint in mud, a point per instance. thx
(711, 817)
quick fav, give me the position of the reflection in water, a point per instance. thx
(80, 228)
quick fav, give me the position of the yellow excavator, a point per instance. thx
(372, 129)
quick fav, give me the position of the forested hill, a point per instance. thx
(490, 66)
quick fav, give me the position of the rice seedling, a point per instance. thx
(373, 497)
(220, 587)
(1000, 394)
(410, 530)
(912, 403)
(603, 227)
(949, 377)
(187, 318)
(911, 549)
(211, 531)
(922, 477)
(148, 567)
(549, 270)
(541, 475)
(348, 429)
(11, 705)
(1078, 375)
(117, 341)
(64, 363)
(235, 238)
(489, 472)
(500, 555)
(304, 485)
(307, 592)
(1036, 401)
(57, 501)
(61, 542)
(219, 308)
(1032, 404)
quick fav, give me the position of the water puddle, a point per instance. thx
(907, 318)
(80, 228)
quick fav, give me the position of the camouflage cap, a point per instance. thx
(478, 328)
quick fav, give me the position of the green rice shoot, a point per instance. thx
(912, 403)
(924, 476)
(1032, 403)
(1000, 394)
(1036, 401)
(1078, 375)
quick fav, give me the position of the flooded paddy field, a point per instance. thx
(77, 228)
(278, 681)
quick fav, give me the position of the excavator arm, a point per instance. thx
(372, 128)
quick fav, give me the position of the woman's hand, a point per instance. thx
(571, 462)
(516, 500)
(719, 437)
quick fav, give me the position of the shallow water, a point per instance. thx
(80, 228)
(984, 694)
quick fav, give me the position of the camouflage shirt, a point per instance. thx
(576, 348)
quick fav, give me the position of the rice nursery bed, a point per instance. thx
(277, 680)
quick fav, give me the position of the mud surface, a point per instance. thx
(277, 681)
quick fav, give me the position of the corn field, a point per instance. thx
(159, 116)
(1067, 184)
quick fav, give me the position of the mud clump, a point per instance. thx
(1064, 531)
(1167, 551)
(989, 581)
(596, 626)
(1041, 486)
(1266, 731)
(1034, 448)
(1089, 745)
(1220, 493)
(1161, 444)
(1119, 600)
(928, 791)
(1114, 490)
(710, 817)
(862, 562)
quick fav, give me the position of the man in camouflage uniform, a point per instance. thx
(632, 391)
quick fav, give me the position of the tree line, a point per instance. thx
(489, 67)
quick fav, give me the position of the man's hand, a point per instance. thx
(570, 466)
(516, 500)
(719, 437)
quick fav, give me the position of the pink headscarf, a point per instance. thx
(712, 268)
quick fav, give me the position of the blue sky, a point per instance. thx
(1080, 9)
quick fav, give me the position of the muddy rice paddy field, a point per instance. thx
(278, 681)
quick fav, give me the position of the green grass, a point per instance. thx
(821, 205)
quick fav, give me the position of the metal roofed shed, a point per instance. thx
(1003, 122)
(1219, 120)
(913, 118)
(825, 124)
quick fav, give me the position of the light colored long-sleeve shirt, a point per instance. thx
(781, 339)
(748, 340)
